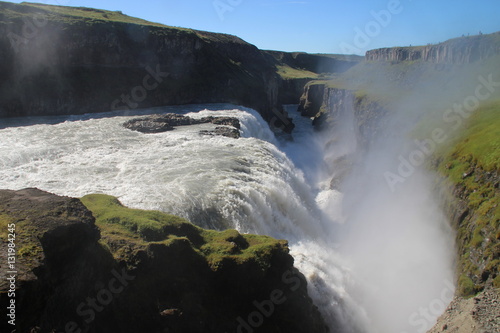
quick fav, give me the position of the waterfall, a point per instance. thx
(256, 184)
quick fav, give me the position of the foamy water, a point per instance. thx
(257, 184)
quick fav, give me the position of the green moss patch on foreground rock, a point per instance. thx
(142, 228)
(108, 268)
(472, 164)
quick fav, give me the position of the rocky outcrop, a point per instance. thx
(97, 266)
(474, 315)
(329, 105)
(168, 122)
(314, 100)
(462, 50)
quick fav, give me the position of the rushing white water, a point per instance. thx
(256, 184)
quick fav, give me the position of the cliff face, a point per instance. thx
(471, 169)
(66, 60)
(329, 105)
(467, 162)
(456, 51)
(101, 267)
(57, 60)
(314, 100)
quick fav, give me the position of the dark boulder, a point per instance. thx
(167, 122)
(223, 131)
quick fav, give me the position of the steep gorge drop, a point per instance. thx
(258, 184)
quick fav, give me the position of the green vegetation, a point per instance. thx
(472, 164)
(287, 72)
(465, 286)
(329, 83)
(28, 245)
(124, 230)
(479, 143)
(5, 220)
(90, 14)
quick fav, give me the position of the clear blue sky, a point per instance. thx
(318, 26)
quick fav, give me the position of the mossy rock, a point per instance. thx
(138, 228)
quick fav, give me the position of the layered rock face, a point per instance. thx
(57, 62)
(68, 60)
(463, 50)
(140, 271)
(329, 105)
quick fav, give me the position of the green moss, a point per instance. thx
(28, 245)
(126, 231)
(496, 282)
(149, 225)
(240, 248)
(30, 250)
(466, 287)
(5, 220)
(477, 239)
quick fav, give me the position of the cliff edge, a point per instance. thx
(93, 265)
(463, 50)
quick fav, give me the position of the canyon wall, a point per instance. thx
(462, 50)
(68, 60)
(71, 61)
(328, 105)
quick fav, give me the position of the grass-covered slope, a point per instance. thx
(72, 14)
(472, 164)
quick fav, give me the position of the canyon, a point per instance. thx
(369, 114)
